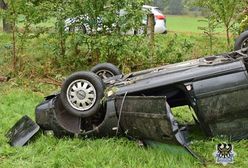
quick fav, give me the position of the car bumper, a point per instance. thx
(160, 27)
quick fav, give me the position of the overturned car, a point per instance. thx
(138, 104)
(104, 102)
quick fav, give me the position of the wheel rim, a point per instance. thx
(245, 43)
(104, 74)
(81, 95)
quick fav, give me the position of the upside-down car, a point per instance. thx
(104, 102)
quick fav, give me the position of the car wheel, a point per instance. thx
(106, 70)
(241, 41)
(82, 29)
(81, 94)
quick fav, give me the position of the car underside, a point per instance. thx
(138, 105)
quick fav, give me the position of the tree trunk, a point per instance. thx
(211, 42)
(62, 47)
(228, 36)
(6, 24)
(3, 5)
(14, 48)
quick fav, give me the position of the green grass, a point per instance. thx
(187, 24)
(183, 114)
(48, 151)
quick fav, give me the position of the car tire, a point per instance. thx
(82, 29)
(241, 41)
(81, 94)
(106, 70)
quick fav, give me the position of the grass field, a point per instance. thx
(187, 24)
(20, 95)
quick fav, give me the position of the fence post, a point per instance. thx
(150, 32)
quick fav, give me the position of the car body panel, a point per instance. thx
(22, 131)
(147, 118)
(51, 115)
(160, 27)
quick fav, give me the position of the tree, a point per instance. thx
(225, 11)
(209, 29)
(160, 3)
(12, 10)
(175, 7)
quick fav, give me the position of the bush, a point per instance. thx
(41, 57)
(244, 24)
